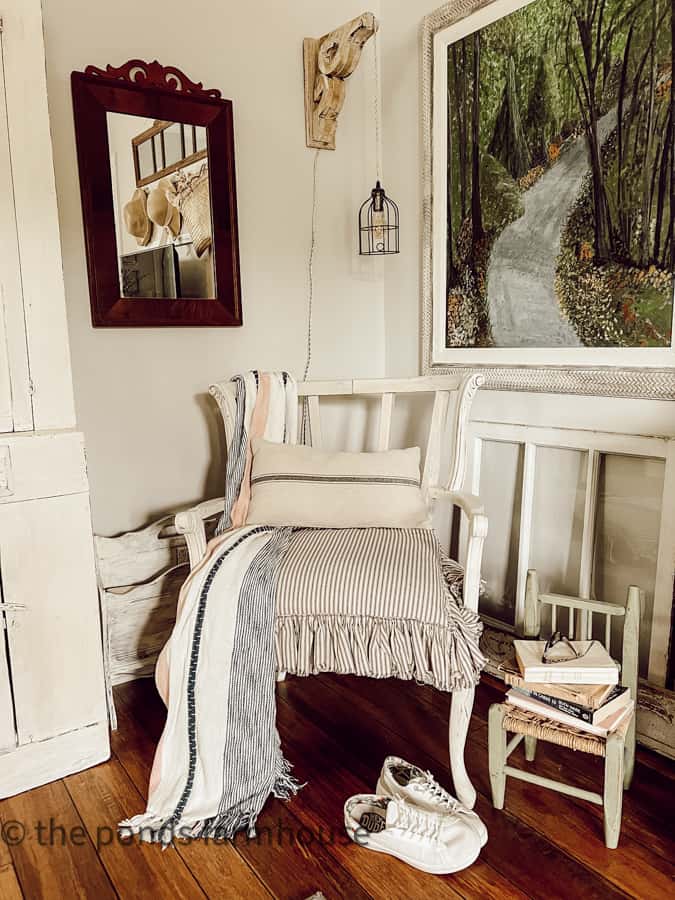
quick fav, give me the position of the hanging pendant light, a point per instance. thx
(378, 224)
(378, 216)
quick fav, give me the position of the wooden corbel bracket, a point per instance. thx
(329, 60)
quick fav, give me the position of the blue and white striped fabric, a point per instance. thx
(379, 602)
(220, 758)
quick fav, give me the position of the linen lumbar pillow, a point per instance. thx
(297, 485)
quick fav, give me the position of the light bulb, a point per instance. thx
(379, 221)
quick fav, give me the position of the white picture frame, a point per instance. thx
(603, 371)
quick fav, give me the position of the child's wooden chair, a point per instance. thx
(619, 746)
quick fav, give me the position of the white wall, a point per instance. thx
(153, 438)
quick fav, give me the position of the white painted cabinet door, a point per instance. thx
(15, 401)
(7, 730)
(47, 567)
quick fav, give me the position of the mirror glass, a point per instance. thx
(162, 203)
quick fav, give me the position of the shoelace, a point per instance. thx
(416, 823)
(427, 784)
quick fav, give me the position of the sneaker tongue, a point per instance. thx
(393, 813)
(420, 783)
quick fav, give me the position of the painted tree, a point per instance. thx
(544, 109)
(459, 63)
(476, 212)
(508, 143)
(594, 32)
(643, 195)
(450, 270)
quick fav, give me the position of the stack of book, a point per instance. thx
(580, 693)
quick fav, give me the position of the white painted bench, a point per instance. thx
(448, 425)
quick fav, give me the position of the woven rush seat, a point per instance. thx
(520, 721)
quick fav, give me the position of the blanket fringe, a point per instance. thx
(152, 828)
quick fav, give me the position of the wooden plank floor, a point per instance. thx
(337, 731)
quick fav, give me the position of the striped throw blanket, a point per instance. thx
(380, 602)
(219, 757)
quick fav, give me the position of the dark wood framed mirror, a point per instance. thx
(157, 179)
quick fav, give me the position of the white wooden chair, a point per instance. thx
(618, 748)
(448, 424)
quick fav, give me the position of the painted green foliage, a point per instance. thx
(521, 92)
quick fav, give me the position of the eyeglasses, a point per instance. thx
(559, 648)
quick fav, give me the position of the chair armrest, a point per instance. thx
(190, 523)
(474, 510)
(471, 505)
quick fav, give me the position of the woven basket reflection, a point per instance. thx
(194, 202)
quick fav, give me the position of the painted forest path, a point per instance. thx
(524, 310)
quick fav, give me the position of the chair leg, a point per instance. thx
(497, 754)
(613, 790)
(281, 675)
(530, 747)
(460, 715)
(629, 756)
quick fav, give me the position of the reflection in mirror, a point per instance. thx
(162, 205)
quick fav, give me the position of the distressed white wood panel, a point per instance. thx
(576, 439)
(644, 549)
(629, 512)
(7, 729)
(663, 586)
(525, 529)
(42, 465)
(139, 556)
(587, 563)
(559, 491)
(16, 412)
(44, 761)
(140, 619)
(500, 491)
(55, 641)
(37, 214)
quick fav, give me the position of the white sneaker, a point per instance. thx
(399, 778)
(435, 843)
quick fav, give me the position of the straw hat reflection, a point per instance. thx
(136, 219)
(194, 202)
(162, 207)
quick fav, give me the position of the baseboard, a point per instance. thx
(32, 765)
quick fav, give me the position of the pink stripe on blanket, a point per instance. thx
(257, 429)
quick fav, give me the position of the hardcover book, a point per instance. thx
(588, 695)
(602, 728)
(618, 697)
(595, 666)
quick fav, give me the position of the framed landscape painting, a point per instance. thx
(550, 193)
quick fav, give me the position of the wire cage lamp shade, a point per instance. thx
(378, 224)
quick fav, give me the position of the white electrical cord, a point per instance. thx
(310, 267)
(376, 104)
(305, 424)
